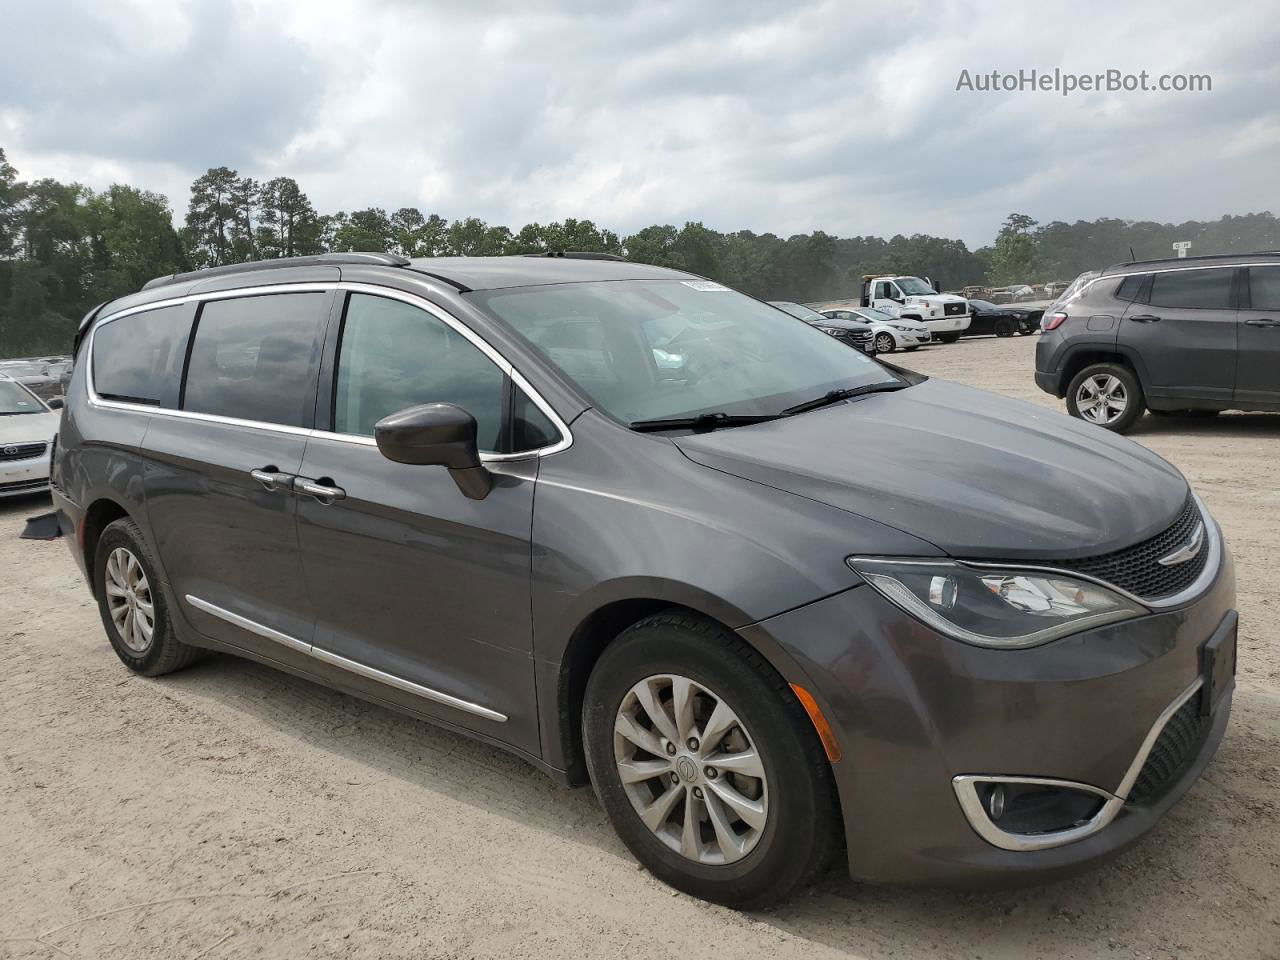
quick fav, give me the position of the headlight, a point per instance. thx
(833, 331)
(994, 608)
(899, 326)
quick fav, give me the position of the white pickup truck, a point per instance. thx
(945, 314)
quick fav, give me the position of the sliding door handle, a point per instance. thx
(272, 479)
(323, 492)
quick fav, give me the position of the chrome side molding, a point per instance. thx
(351, 666)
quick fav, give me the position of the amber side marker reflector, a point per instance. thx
(825, 733)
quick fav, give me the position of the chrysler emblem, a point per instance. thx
(1188, 551)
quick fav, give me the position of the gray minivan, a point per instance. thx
(772, 598)
(1191, 336)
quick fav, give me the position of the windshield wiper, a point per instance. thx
(702, 423)
(835, 396)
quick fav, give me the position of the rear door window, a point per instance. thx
(1198, 289)
(1264, 288)
(138, 358)
(255, 358)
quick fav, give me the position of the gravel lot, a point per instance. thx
(232, 811)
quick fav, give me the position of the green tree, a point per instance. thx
(290, 226)
(365, 230)
(1013, 260)
(212, 216)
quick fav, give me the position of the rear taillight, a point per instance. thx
(1052, 321)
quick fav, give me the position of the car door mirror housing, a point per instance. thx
(436, 434)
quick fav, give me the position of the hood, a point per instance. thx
(976, 474)
(840, 323)
(28, 427)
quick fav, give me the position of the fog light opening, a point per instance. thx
(1030, 809)
(995, 802)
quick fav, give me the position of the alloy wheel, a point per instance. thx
(1102, 399)
(691, 769)
(129, 600)
(884, 343)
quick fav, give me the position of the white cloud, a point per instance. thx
(755, 115)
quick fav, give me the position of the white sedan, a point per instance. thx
(891, 333)
(27, 429)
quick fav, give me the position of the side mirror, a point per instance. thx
(439, 434)
(56, 403)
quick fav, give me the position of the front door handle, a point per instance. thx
(272, 479)
(1145, 318)
(323, 492)
(1263, 322)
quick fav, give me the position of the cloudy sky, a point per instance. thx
(781, 117)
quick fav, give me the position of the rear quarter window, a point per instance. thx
(138, 358)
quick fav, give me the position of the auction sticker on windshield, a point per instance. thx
(704, 285)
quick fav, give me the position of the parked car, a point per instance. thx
(769, 603)
(1055, 288)
(853, 331)
(991, 318)
(45, 377)
(891, 333)
(27, 429)
(1192, 336)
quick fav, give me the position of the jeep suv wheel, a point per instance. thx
(1107, 394)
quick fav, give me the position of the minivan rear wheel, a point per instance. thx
(707, 766)
(132, 603)
(1106, 394)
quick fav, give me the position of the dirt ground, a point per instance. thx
(232, 811)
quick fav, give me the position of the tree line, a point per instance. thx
(66, 247)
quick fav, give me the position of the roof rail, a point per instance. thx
(252, 266)
(575, 255)
(1201, 256)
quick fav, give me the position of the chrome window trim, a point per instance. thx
(343, 663)
(566, 436)
(966, 788)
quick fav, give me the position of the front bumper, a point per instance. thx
(914, 710)
(21, 477)
(952, 324)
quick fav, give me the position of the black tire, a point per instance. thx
(802, 820)
(911, 349)
(1135, 402)
(885, 343)
(1004, 329)
(164, 653)
(948, 337)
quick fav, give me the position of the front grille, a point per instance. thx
(1136, 569)
(954, 309)
(1173, 751)
(21, 451)
(19, 485)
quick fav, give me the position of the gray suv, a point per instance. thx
(1191, 336)
(651, 534)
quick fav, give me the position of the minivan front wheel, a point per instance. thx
(1107, 394)
(132, 603)
(705, 763)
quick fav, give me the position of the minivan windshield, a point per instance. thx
(15, 399)
(646, 350)
(915, 287)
